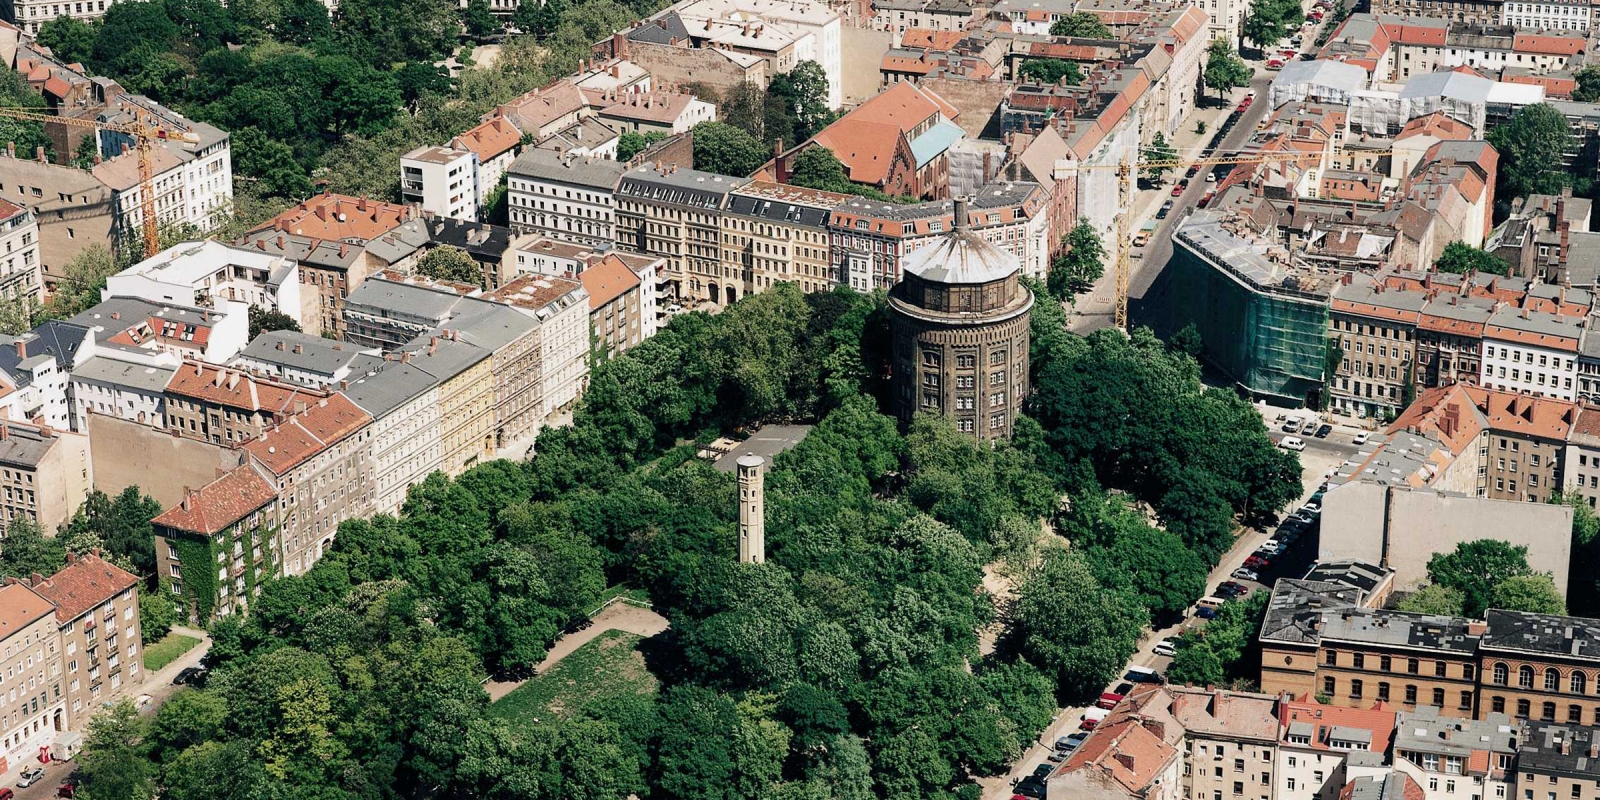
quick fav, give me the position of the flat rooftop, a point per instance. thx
(767, 443)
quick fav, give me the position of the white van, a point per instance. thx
(1294, 443)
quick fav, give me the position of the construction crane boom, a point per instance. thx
(144, 138)
(1125, 170)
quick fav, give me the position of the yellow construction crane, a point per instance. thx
(1125, 171)
(144, 138)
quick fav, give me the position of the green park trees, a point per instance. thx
(1084, 24)
(1270, 21)
(1462, 258)
(1532, 147)
(846, 666)
(450, 264)
(726, 150)
(1224, 68)
(1074, 272)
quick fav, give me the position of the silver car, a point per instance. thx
(30, 777)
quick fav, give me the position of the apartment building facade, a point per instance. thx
(466, 398)
(564, 196)
(97, 611)
(230, 524)
(228, 406)
(676, 214)
(441, 181)
(403, 402)
(21, 271)
(778, 233)
(45, 474)
(33, 707)
(321, 459)
(1534, 352)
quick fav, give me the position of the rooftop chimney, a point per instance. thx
(960, 208)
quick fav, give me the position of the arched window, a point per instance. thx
(1501, 674)
(1525, 677)
(1579, 683)
(1552, 680)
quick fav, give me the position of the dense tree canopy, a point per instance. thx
(1271, 21)
(1531, 146)
(848, 665)
(1050, 70)
(450, 264)
(1462, 258)
(1224, 68)
(1082, 263)
(1084, 24)
(726, 150)
(1476, 569)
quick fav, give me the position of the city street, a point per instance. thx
(157, 684)
(1319, 456)
(1093, 309)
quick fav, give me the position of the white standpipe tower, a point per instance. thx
(752, 510)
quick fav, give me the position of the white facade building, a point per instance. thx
(563, 196)
(404, 403)
(1531, 351)
(441, 181)
(209, 273)
(813, 27)
(1571, 15)
(131, 390)
(20, 273)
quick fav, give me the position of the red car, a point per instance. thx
(1108, 700)
(1177, 191)
(1256, 563)
(1088, 724)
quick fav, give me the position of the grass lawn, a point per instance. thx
(608, 666)
(167, 650)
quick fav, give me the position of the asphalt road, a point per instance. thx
(1144, 271)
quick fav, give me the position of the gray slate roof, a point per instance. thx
(547, 166)
(378, 386)
(317, 355)
(124, 374)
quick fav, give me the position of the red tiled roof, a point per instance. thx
(1547, 45)
(606, 281)
(21, 607)
(338, 217)
(489, 139)
(920, 38)
(219, 503)
(295, 440)
(238, 389)
(83, 584)
(1378, 719)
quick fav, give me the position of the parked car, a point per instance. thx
(1123, 688)
(1313, 508)
(1166, 647)
(1361, 438)
(1042, 770)
(1088, 724)
(1211, 177)
(1231, 589)
(1294, 443)
(1074, 741)
(1108, 700)
(1272, 546)
(191, 676)
(1246, 574)
(1323, 431)
(1142, 675)
(1166, 208)
(1031, 787)
(1292, 426)
(67, 790)
(1177, 191)
(1204, 612)
(1310, 427)
(1256, 562)
(29, 777)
